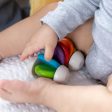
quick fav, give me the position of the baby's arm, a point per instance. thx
(14, 39)
(99, 60)
(62, 98)
(67, 16)
(70, 14)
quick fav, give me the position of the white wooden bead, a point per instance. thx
(77, 61)
(62, 74)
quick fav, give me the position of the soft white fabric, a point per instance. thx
(13, 68)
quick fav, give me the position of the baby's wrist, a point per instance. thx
(50, 96)
(49, 29)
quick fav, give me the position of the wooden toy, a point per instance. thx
(65, 58)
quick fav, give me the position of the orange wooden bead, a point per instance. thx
(69, 44)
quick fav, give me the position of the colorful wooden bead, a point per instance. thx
(44, 70)
(52, 62)
(59, 55)
(62, 74)
(37, 62)
(68, 49)
(77, 61)
(69, 45)
(66, 53)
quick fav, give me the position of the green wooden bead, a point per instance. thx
(44, 70)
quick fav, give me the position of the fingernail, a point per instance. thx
(47, 59)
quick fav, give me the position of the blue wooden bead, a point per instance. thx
(52, 62)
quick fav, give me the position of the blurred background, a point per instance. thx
(22, 2)
(12, 11)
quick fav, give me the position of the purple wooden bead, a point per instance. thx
(59, 54)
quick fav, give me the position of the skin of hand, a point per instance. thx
(95, 97)
(109, 83)
(62, 98)
(21, 91)
(14, 39)
(44, 38)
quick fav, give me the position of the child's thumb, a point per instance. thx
(49, 51)
(109, 83)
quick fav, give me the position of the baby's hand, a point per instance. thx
(17, 91)
(46, 39)
(109, 83)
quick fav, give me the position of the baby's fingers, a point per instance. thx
(49, 51)
(28, 52)
(109, 83)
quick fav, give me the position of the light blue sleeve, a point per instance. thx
(99, 60)
(69, 15)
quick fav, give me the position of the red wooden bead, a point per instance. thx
(68, 49)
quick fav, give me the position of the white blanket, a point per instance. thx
(13, 68)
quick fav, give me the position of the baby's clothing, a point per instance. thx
(72, 13)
